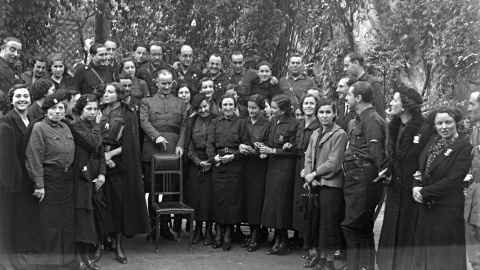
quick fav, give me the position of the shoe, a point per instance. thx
(217, 244)
(76, 265)
(312, 263)
(122, 260)
(208, 240)
(165, 232)
(282, 250)
(227, 246)
(110, 246)
(198, 238)
(97, 255)
(327, 266)
(252, 247)
(245, 244)
(91, 265)
(308, 256)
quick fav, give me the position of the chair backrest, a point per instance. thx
(167, 166)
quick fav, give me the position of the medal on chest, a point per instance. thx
(16, 77)
(291, 89)
(240, 82)
(280, 138)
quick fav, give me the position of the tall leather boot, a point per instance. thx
(353, 256)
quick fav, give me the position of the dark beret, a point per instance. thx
(53, 99)
(411, 94)
(197, 100)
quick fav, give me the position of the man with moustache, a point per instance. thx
(95, 73)
(111, 47)
(148, 71)
(185, 71)
(10, 49)
(344, 113)
(163, 118)
(472, 199)
(353, 66)
(38, 71)
(365, 157)
(219, 78)
(295, 84)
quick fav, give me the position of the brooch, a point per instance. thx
(280, 138)
(55, 100)
(416, 139)
(447, 153)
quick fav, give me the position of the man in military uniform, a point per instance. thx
(219, 78)
(95, 73)
(241, 76)
(364, 158)
(472, 200)
(353, 65)
(185, 71)
(344, 113)
(149, 71)
(10, 49)
(38, 71)
(140, 54)
(163, 118)
(295, 84)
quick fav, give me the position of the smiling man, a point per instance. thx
(97, 72)
(219, 78)
(295, 84)
(10, 49)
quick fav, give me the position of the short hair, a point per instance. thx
(259, 100)
(124, 76)
(204, 79)
(354, 56)
(122, 63)
(163, 72)
(39, 58)
(224, 96)
(328, 102)
(155, 44)
(264, 63)
(39, 88)
(409, 104)
(236, 53)
(320, 91)
(57, 57)
(3, 101)
(13, 89)
(83, 101)
(94, 48)
(182, 85)
(317, 100)
(99, 90)
(350, 80)
(216, 55)
(110, 40)
(70, 92)
(4, 42)
(283, 103)
(454, 112)
(119, 89)
(179, 48)
(142, 45)
(364, 89)
(296, 54)
(231, 86)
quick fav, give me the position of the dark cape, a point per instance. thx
(401, 212)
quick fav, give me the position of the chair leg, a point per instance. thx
(179, 233)
(190, 234)
(157, 228)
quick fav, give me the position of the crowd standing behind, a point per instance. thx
(271, 153)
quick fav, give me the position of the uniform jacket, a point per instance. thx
(191, 78)
(328, 154)
(344, 118)
(87, 80)
(295, 89)
(8, 76)
(442, 183)
(266, 89)
(67, 82)
(472, 200)
(148, 73)
(281, 133)
(378, 100)
(220, 84)
(162, 115)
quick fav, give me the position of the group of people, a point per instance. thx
(77, 150)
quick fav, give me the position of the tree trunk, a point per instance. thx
(99, 21)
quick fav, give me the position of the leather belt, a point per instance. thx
(168, 129)
(58, 168)
(356, 164)
(226, 150)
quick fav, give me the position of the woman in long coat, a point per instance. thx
(438, 190)
(406, 139)
(224, 139)
(282, 149)
(199, 185)
(256, 168)
(309, 123)
(126, 209)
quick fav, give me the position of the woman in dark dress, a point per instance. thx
(207, 87)
(126, 207)
(282, 150)
(199, 185)
(50, 154)
(308, 123)
(139, 86)
(406, 140)
(323, 171)
(58, 73)
(438, 190)
(263, 85)
(184, 93)
(89, 168)
(256, 165)
(225, 136)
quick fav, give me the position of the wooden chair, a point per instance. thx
(168, 165)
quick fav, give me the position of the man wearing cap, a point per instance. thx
(95, 73)
(148, 72)
(295, 84)
(163, 118)
(353, 65)
(472, 200)
(185, 71)
(10, 49)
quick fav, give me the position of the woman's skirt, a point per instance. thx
(200, 189)
(332, 214)
(255, 175)
(228, 183)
